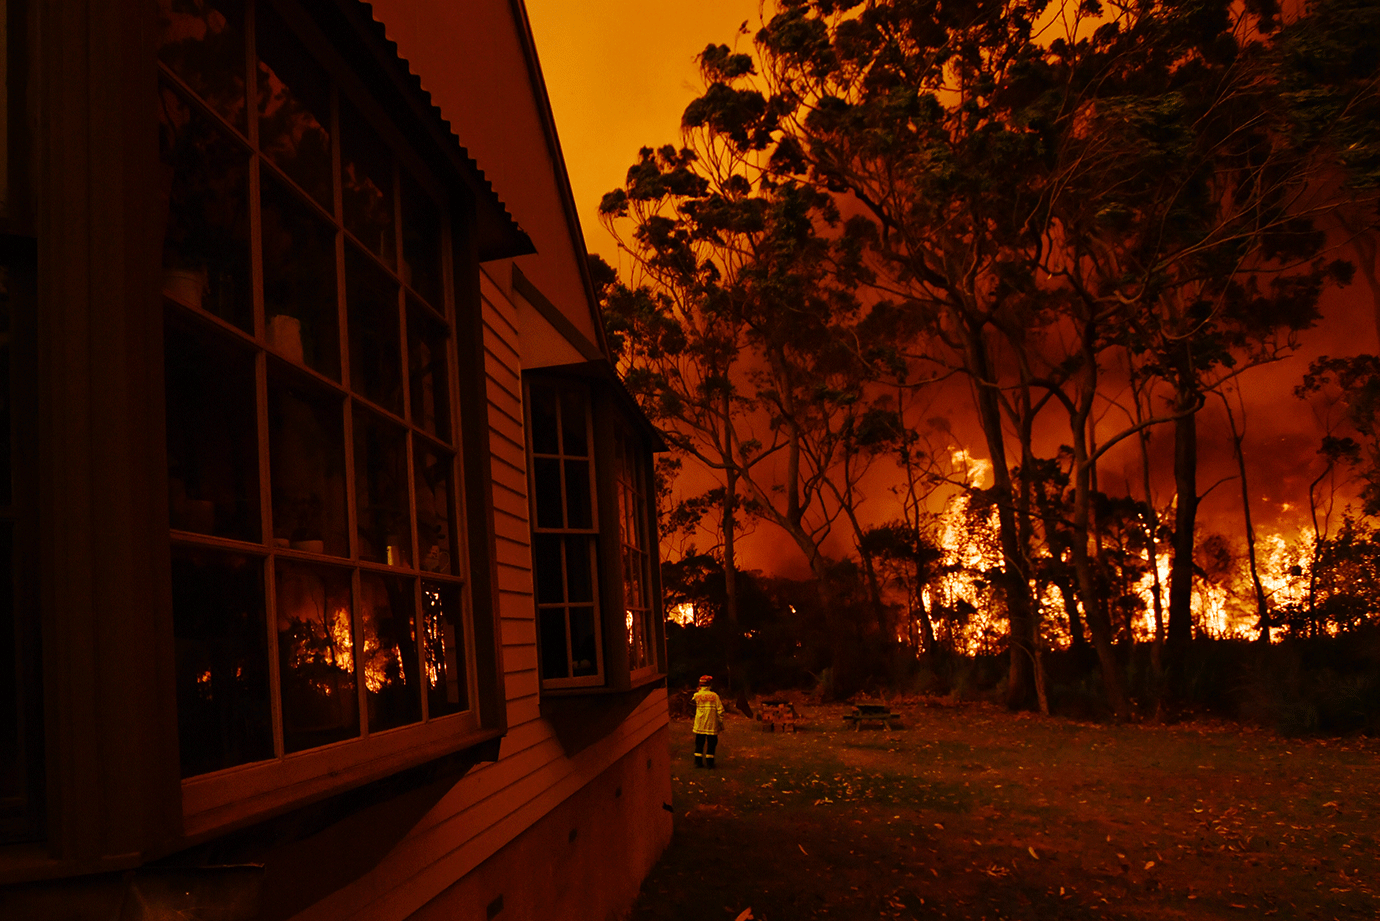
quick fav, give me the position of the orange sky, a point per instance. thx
(619, 73)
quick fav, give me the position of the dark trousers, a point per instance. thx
(704, 749)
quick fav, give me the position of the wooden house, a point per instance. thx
(327, 539)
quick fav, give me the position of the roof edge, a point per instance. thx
(548, 119)
(503, 237)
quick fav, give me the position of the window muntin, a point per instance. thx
(293, 265)
(564, 534)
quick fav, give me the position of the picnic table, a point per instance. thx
(871, 713)
(775, 713)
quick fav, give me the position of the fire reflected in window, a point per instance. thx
(444, 630)
(388, 643)
(316, 655)
(224, 714)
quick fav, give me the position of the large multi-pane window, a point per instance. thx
(318, 590)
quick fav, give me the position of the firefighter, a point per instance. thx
(709, 722)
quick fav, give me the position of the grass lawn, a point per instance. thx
(975, 813)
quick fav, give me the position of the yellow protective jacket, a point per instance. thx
(709, 712)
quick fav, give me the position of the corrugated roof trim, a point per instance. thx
(414, 83)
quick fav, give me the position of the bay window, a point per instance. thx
(593, 527)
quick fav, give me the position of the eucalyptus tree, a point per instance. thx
(1329, 62)
(904, 112)
(741, 335)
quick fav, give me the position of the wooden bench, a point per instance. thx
(872, 713)
(775, 713)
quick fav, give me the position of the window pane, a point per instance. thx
(632, 578)
(435, 519)
(548, 572)
(427, 378)
(583, 643)
(213, 455)
(578, 577)
(205, 189)
(421, 266)
(574, 422)
(316, 655)
(203, 43)
(389, 640)
(447, 689)
(544, 421)
(375, 344)
(546, 472)
(555, 661)
(299, 281)
(294, 107)
(578, 510)
(224, 714)
(385, 527)
(366, 185)
(307, 464)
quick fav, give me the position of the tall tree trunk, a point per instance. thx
(1099, 622)
(1238, 438)
(735, 629)
(926, 627)
(1084, 471)
(1020, 687)
(1180, 632)
(1152, 543)
(1078, 640)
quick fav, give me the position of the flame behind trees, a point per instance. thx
(1031, 194)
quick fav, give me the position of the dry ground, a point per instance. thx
(975, 813)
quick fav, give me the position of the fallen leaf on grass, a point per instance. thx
(1149, 864)
(802, 849)
(1032, 853)
(745, 916)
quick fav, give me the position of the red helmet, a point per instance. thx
(706, 679)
